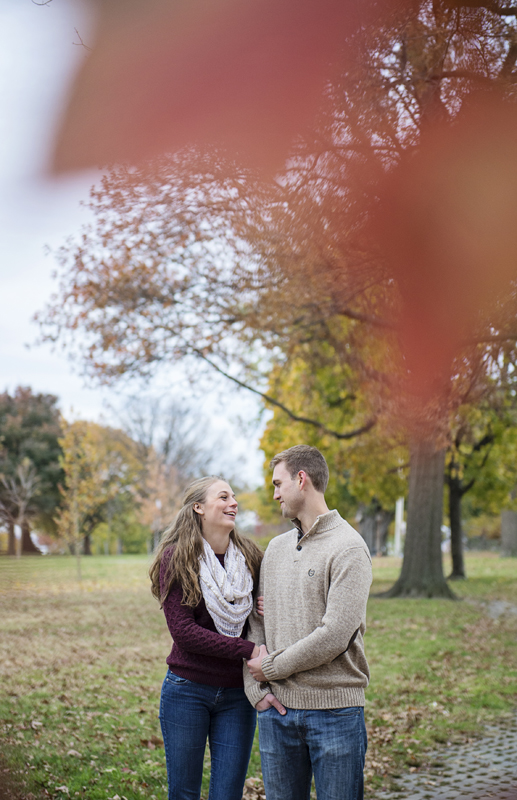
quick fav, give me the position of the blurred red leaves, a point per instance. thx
(447, 225)
(245, 74)
(248, 75)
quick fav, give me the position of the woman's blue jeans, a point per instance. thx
(331, 744)
(189, 714)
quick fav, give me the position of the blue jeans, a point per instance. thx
(330, 743)
(189, 713)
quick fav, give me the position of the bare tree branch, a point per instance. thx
(461, 74)
(296, 417)
(490, 5)
(80, 43)
(496, 338)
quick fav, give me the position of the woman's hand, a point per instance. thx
(260, 605)
(255, 664)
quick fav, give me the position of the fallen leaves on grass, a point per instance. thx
(254, 789)
(152, 743)
(74, 679)
(77, 696)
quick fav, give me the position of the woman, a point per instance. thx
(203, 575)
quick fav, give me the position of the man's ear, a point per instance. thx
(302, 479)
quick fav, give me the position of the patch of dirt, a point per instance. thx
(12, 787)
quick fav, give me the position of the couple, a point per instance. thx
(304, 668)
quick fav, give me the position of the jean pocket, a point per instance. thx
(175, 680)
(352, 711)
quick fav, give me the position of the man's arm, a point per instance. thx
(255, 692)
(345, 611)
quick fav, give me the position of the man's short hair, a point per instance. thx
(308, 459)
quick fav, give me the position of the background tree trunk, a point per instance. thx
(367, 528)
(509, 533)
(455, 495)
(87, 544)
(11, 539)
(28, 546)
(383, 520)
(422, 570)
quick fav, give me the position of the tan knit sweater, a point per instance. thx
(315, 594)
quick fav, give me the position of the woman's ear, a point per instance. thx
(198, 509)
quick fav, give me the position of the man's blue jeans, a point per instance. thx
(189, 713)
(331, 744)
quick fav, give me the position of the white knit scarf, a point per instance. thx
(227, 591)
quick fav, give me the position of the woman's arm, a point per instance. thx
(191, 636)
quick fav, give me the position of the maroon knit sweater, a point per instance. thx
(199, 653)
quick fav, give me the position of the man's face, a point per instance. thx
(287, 491)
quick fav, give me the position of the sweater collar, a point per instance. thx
(324, 522)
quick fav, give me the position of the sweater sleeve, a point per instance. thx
(255, 691)
(190, 636)
(351, 578)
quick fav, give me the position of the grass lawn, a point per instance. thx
(81, 666)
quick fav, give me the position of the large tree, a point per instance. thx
(368, 472)
(195, 256)
(481, 450)
(102, 479)
(495, 490)
(30, 427)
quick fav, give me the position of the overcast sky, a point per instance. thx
(39, 53)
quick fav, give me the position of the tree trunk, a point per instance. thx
(28, 546)
(383, 519)
(509, 533)
(11, 539)
(87, 544)
(367, 528)
(422, 569)
(455, 495)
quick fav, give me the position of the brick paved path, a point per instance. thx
(479, 770)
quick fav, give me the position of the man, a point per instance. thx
(309, 678)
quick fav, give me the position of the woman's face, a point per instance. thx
(219, 509)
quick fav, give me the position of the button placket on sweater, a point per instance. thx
(299, 547)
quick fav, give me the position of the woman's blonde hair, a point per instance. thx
(185, 536)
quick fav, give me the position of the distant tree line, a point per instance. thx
(83, 486)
